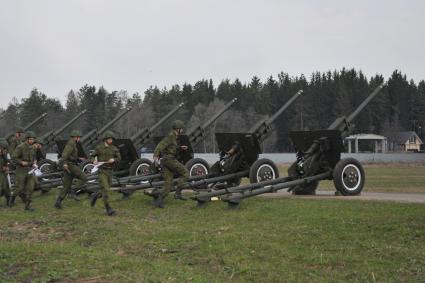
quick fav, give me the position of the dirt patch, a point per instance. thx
(34, 230)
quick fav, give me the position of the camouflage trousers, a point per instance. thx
(170, 168)
(24, 183)
(68, 177)
(105, 181)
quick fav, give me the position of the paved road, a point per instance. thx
(398, 197)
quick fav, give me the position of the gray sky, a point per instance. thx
(59, 45)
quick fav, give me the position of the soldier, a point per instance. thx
(16, 139)
(4, 170)
(105, 152)
(71, 169)
(38, 145)
(24, 157)
(167, 149)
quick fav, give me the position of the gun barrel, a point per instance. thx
(94, 134)
(198, 131)
(113, 121)
(70, 122)
(145, 133)
(215, 117)
(278, 113)
(35, 121)
(364, 103)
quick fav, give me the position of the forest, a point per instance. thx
(327, 95)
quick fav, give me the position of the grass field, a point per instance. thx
(265, 240)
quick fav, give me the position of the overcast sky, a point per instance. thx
(57, 46)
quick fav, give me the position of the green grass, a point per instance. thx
(265, 240)
(400, 178)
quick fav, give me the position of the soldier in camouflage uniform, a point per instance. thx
(24, 157)
(4, 170)
(167, 150)
(71, 169)
(16, 139)
(109, 154)
(38, 145)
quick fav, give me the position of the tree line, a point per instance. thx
(327, 95)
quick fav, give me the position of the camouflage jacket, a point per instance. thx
(70, 152)
(168, 146)
(24, 152)
(104, 153)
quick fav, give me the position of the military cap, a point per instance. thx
(178, 124)
(108, 134)
(75, 133)
(30, 134)
(19, 130)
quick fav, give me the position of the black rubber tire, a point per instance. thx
(349, 177)
(262, 170)
(86, 166)
(142, 167)
(47, 166)
(197, 167)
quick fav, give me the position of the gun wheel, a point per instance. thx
(349, 177)
(141, 167)
(47, 166)
(263, 170)
(197, 167)
(86, 167)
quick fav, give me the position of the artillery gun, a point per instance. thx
(238, 158)
(196, 166)
(240, 151)
(318, 158)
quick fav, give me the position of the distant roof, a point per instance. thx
(366, 137)
(402, 137)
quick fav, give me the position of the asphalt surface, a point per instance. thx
(397, 197)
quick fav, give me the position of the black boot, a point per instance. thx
(109, 210)
(7, 200)
(28, 206)
(94, 198)
(178, 195)
(158, 201)
(12, 201)
(74, 196)
(58, 203)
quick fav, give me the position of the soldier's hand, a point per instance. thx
(184, 147)
(24, 163)
(65, 167)
(111, 160)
